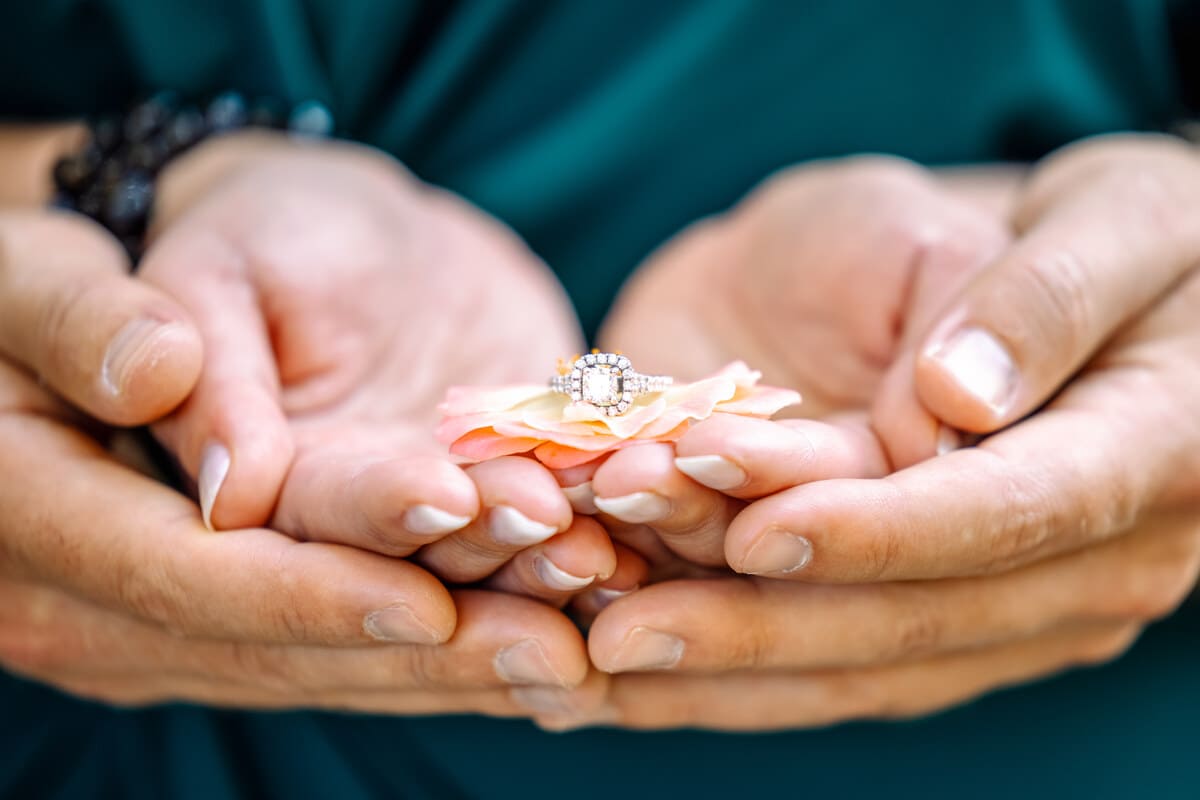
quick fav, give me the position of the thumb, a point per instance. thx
(118, 349)
(232, 435)
(941, 270)
(1094, 252)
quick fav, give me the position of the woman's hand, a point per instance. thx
(112, 588)
(338, 297)
(1050, 544)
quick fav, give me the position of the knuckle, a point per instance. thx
(920, 629)
(264, 667)
(57, 318)
(146, 590)
(1110, 645)
(880, 553)
(291, 605)
(1024, 521)
(290, 618)
(1057, 286)
(755, 647)
(1040, 512)
(421, 669)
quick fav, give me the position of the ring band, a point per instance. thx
(608, 382)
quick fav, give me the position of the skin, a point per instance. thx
(133, 599)
(116, 591)
(920, 652)
(1078, 536)
(820, 278)
(321, 278)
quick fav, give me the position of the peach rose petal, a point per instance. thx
(557, 456)
(462, 400)
(766, 401)
(485, 443)
(486, 422)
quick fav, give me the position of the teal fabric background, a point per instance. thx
(598, 129)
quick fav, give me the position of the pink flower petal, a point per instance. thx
(484, 444)
(764, 401)
(462, 400)
(557, 456)
(483, 422)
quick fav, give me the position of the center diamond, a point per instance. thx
(601, 386)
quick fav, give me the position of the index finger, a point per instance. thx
(1056, 482)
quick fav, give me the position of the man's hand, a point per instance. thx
(110, 585)
(1049, 544)
(819, 278)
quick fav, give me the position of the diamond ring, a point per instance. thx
(608, 382)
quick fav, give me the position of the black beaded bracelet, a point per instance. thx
(111, 179)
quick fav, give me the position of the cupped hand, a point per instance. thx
(1050, 544)
(819, 278)
(338, 297)
(112, 588)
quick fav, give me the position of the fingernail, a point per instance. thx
(509, 526)
(214, 467)
(646, 649)
(980, 365)
(542, 699)
(777, 552)
(525, 662)
(557, 578)
(399, 624)
(948, 440)
(603, 597)
(636, 508)
(581, 498)
(132, 345)
(426, 520)
(715, 472)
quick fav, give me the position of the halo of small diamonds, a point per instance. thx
(607, 382)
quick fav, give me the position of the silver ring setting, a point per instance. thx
(608, 382)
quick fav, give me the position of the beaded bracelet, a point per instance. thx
(111, 179)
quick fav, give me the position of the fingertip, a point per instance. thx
(522, 494)
(636, 635)
(258, 467)
(426, 614)
(906, 429)
(425, 496)
(239, 450)
(630, 573)
(535, 643)
(584, 549)
(635, 469)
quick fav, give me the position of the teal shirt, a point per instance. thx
(598, 129)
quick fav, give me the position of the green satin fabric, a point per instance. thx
(598, 129)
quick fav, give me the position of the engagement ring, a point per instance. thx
(608, 382)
